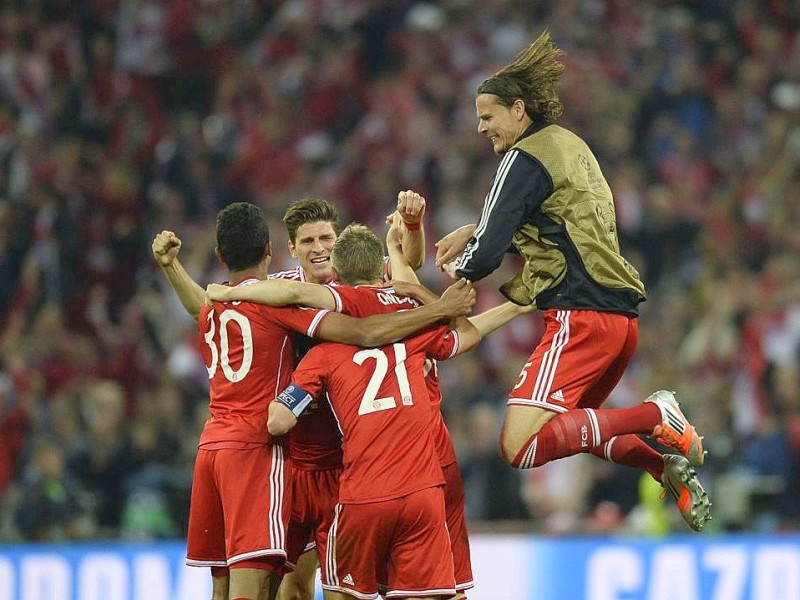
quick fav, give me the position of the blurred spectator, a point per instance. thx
(103, 465)
(52, 506)
(493, 491)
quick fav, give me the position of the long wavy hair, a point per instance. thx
(531, 77)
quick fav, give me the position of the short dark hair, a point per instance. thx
(242, 235)
(309, 210)
(358, 255)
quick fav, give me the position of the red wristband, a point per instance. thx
(413, 226)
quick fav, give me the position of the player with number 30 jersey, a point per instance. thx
(248, 352)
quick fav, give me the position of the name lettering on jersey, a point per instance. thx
(388, 299)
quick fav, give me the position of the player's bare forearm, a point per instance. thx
(398, 263)
(280, 419)
(414, 290)
(457, 301)
(275, 292)
(399, 266)
(468, 335)
(497, 316)
(411, 209)
(414, 247)
(166, 246)
(189, 292)
(378, 330)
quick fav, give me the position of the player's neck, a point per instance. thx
(309, 279)
(258, 271)
(237, 277)
(372, 283)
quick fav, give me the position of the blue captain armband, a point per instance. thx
(295, 398)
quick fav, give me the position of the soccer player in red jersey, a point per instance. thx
(248, 353)
(356, 255)
(550, 202)
(312, 225)
(390, 520)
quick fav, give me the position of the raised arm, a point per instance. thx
(377, 330)
(275, 292)
(166, 246)
(398, 263)
(411, 208)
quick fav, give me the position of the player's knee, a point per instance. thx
(509, 452)
(295, 588)
(295, 591)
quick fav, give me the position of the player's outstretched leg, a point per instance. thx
(675, 431)
(680, 480)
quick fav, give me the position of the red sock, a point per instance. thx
(631, 451)
(580, 430)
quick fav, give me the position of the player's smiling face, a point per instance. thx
(312, 247)
(501, 124)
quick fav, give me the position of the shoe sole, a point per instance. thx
(679, 476)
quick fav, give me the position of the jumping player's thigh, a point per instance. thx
(602, 388)
(520, 422)
(577, 350)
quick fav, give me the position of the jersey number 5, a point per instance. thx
(370, 402)
(220, 355)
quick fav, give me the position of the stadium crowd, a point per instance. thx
(119, 118)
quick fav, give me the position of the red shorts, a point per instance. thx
(237, 509)
(314, 497)
(457, 526)
(579, 360)
(410, 535)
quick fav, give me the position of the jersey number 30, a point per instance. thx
(220, 356)
(370, 402)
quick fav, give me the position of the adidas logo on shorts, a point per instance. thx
(348, 579)
(558, 396)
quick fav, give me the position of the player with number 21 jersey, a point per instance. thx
(391, 481)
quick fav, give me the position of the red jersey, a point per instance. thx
(363, 301)
(381, 404)
(315, 443)
(248, 351)
(295, 274)
(445, 449)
